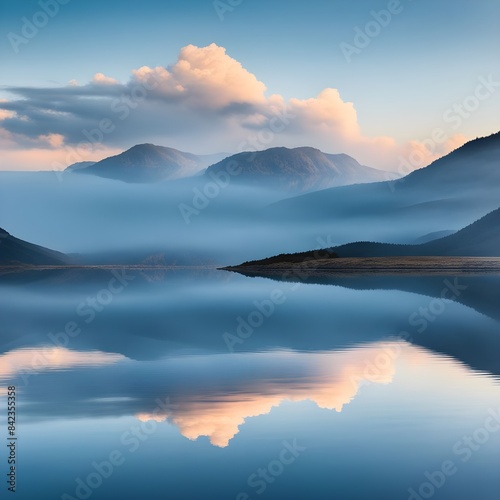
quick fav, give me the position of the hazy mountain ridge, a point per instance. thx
(298, 169)
(448, 194)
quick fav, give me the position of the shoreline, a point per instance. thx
(358, 266)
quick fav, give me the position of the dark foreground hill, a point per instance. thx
(16, 251)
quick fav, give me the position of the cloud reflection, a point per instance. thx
(330, 380)
(23, 362)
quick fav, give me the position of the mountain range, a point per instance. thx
(296, 170)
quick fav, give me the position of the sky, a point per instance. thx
(394, 83)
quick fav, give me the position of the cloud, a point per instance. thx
(205, 78)
(4, 114)
(53, 140)
(100, 79)
(205, 102)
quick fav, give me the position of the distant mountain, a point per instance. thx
(15, 251)
(299, 169)
(146, 163)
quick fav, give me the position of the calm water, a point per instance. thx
(204, 384)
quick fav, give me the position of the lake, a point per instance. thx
(198, 383)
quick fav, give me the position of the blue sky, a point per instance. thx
(428, 58)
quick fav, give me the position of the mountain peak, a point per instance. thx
(147, 162)
(298, 169)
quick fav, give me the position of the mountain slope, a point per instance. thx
(299, 169)
(14, 251)
(148, 163)
(448, 194)
(480, 239)
(472, 166)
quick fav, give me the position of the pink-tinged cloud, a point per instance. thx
(4, 114)
(102, 79)
(205, 77)
(418, 154)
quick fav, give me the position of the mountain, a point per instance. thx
(480, 239)
(448, 194)
(146, 163)
(299, 169)
(15, 251)
(473, 166)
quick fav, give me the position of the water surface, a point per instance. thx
(207, 384)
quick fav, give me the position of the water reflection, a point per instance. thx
(206, 395)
